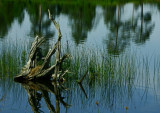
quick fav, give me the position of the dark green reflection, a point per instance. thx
(8, 13)
(144, 30)
(137, 28)
(82, 20)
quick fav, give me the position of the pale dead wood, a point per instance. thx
(48, 56)
(31, 60)
(58, 51)
(49, 71)
(32, 72)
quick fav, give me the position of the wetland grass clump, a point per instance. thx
(101, 66)
(110, 77)
(113, 78)
(12, 58)
(118, 75)
(8, 65)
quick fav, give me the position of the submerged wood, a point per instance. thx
(32, 71)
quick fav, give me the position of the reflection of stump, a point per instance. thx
(41, 89)
(32, 71)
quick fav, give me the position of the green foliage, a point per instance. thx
(95, 2)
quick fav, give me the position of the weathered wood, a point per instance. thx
(31, 60)
(47, 72)
(57, 68)
(48, 56)
(31, 71)
(54, 76)
(56, 25)
(35, 45)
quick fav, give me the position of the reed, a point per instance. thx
(101, 65)
(110, 79)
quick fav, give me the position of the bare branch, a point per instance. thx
(80, 81)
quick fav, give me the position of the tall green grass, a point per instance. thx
(101, 65)
(129, 68)
(112, 80)
(12, 57)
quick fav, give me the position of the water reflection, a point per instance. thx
(38, 90)
(118, 38)
(82, 21)
(138, 26)
(40, 23)
(7, 16)
(145, 28)
(107, 92)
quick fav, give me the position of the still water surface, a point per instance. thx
(118, 31)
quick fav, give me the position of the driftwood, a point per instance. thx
(31, 71)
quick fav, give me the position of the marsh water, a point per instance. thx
(119, 43)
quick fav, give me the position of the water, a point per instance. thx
(118, 31)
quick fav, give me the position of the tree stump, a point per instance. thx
(32, 71)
